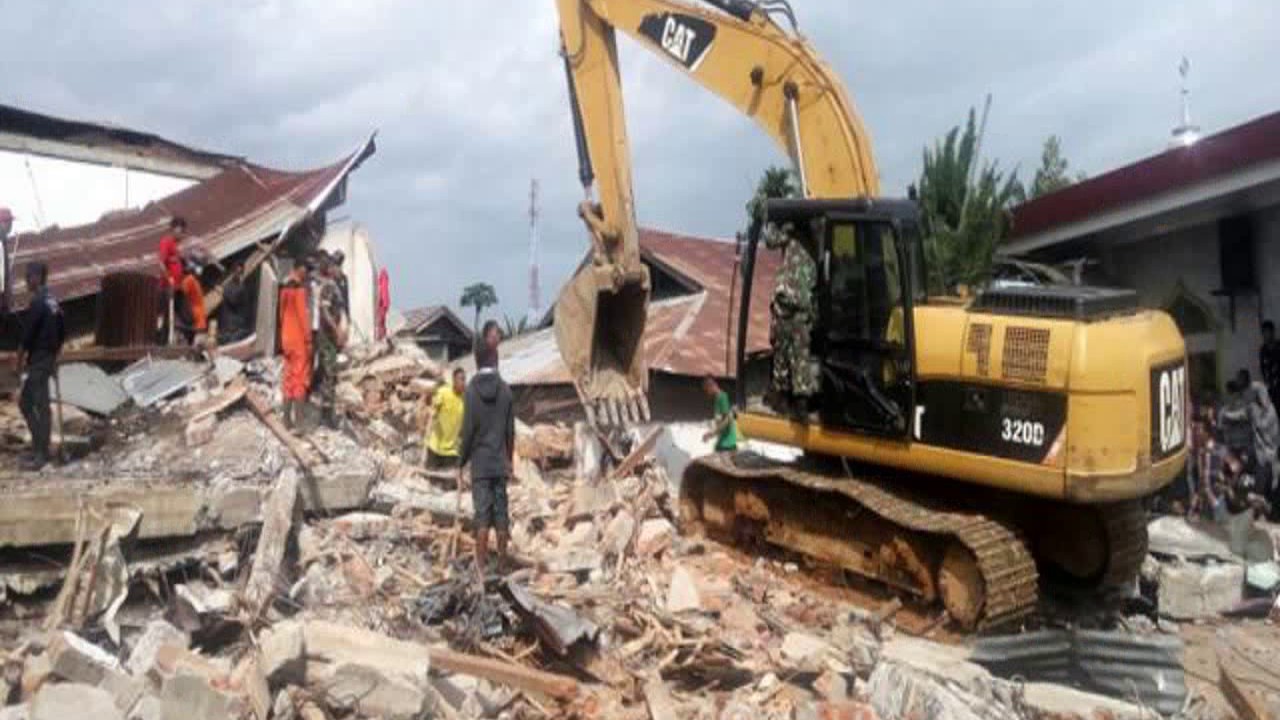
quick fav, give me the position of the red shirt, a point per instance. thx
(171, 260)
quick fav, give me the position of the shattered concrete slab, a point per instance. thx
(1190, 591)
(89, 388)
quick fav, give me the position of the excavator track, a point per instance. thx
(995, 587)
(1126, 528)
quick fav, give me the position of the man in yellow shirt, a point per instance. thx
(444, 424)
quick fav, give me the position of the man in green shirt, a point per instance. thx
(725, 429)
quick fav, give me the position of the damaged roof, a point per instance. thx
(230, 211)
(419, 320)
(685, 335)
(39, 134)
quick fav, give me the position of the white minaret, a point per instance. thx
(535, 293)
(1187, 132)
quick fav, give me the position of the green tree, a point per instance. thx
(964, 207)
(776, 182)
(479, 296)
(1052, 174)
(513, 327)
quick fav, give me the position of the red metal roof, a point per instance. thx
(695, 343)
(1229, 151)
(235, 208)
(684, 335)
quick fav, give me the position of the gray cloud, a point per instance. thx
(470, 102)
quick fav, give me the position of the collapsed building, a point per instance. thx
(192, 557)
(105, 272)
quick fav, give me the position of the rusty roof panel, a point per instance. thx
(237, 207)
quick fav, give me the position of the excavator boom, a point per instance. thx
(735, 49)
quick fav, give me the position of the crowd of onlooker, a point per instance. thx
(1232, 467)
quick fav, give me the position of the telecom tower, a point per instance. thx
(535, 293)
(1187, 132)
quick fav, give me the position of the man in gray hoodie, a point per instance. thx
(488, 444)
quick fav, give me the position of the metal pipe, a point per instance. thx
(793, 116)
(585, 172)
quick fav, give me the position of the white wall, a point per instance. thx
(43, 191)
(1154, 268)
(361, 270)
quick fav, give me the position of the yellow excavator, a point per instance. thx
(960, 451)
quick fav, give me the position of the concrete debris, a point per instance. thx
(199, 431)
(89, 388)
(588, 453)
(656, 536)
(277, 526)
(315, 574)
(1263, 577)
(803, 649)
(66, 701)
(192, 697)
(1190, 591)
(362, 525)
(682, 594)
(282, 655)
(157, 633)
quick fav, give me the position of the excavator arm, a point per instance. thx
(735, 49)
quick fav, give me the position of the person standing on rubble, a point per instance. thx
(330, 339)
(340, 277)
(43, 332)
(194, 321)
(170, 252)
(295, 343)
(725, 425)
(444, 423)
(488, 445)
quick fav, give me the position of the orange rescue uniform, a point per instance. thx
(295, 341)
(195, 301)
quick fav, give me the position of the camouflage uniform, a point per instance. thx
(327, 352)
(793, 312)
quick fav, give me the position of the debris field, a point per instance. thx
(193, 558)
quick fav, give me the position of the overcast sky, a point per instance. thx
(469, 100)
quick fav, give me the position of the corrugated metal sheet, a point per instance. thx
(1120, 665)
(149, 381)
(128, 309)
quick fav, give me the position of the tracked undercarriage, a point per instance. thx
(977, 558)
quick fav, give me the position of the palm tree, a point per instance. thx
(479, 296)
(963, 218)
(777, 182)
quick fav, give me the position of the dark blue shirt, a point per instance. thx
(42, 326)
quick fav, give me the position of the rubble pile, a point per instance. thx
(274, 574)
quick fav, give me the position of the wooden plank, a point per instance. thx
(560, 687)
(273, 423)
(228, 397)
(277, 524)
(633, 458)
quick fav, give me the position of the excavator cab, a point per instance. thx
(869, 264)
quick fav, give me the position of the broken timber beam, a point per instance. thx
(633, 458)
(273, 423)
(277, 523)
(519, 677)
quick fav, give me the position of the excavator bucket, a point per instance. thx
(599, 322)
